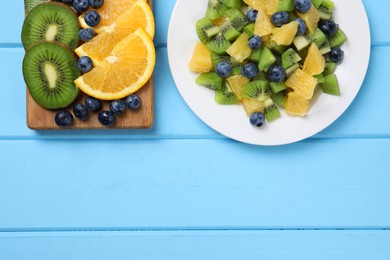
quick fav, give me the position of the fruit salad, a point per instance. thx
(268, 55)
(109, 58)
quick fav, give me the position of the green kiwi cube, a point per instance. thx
(330, 68)
(290, 70)
(331, 85)
(261, 76)
(271, 111)
(285, 6)
(231, 34)
(249, 29)
(267, 58)
(320, 78)
(279, 49)
(318, 37)
(325, 48)
(277, 86)
(210, 80)
(232, 3)
(255, 55)
(280, 98)
(225, 96)
(289, 58)
(237, 18)
(337, 39)
(316, 3)
(325, 9)
(301, 42)
(215, 9)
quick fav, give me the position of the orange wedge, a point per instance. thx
(129, 66)
(139, 15)
(109, 12)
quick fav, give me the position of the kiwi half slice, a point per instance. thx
(53, 22)
(49, 70)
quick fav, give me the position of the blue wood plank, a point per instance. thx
(175, 120)
(227, 245)
(193, 183)
(377, 13)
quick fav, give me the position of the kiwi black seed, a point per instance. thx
(49, 70)
(54, 22)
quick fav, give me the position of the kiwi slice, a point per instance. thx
(318, 37)
(271, 111)
(210, 80)
(225, 96)
(286, 5)
(277, 87)
(255, 55)
(237, 18)
(236, 67)
(290, 70)
(53, 22)
(215, 9)
(232, 3)
(337, 39)
(280, 98)
(301, 42)
(316, 3)
(325, 9)
(267, 58)
(320, 78)
(218, 58)
(218, 44)
(331, 85)
(206, 30)
(258, 89)
(289, 58)
(30, 4)
(249, 29)
(325, 48)
(49, 70)
(330, 68)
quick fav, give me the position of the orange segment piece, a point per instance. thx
(311, 18)
(263, 25)
(271, 6)
(126, 70)
(201, 59)
(255, 4)
(314, 62)
(296, 105)
(302, 83)
(110, 10)
(285, 35)
(139, 15)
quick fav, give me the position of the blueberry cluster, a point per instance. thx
(82, 5)
(118, 107)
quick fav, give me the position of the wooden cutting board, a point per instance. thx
(39, 118)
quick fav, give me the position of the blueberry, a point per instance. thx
(96, 3)
(223, 69)
(302, 27)
(250, 70)
(257, 119)
(93, 104)
(280, 18)
(80, 111)
(336, 55)
(302, 6)
(80, 5)
(86, 34)
(276, 73)
(328, 27)
(106, 118)
(118, 107)
(252, 15)
(254, 42)
(92, 18)
(85, 64)
(63, 118)
(133, 102)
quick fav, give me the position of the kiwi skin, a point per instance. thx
(69, 92)
(26, 33)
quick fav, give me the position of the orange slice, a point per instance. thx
(139, 15)
(126, 70)
(201, 59)
(296, 105)
(110, 10)
(302, 83)
(314, 62)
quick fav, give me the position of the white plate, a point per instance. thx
(232, 121)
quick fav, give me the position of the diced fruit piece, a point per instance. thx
(252, 106)
(53, 22)
(249, 29)
(215, 9)
(267, 58)
(302, 83)
(240, 50)
(257, 90)
(256, 4)
(314, 62)
(225, 96)
(210, 80)
(138, 16)
(218, 44)
(311, 18)
(301, 42)
(231, 34)
(331, 85)
(286, 5)
(237, 18)
(206, 30)
(292, 69)
(316, 3)
(285, 34)
(237, 84)
(201, 59)
(279, 49)
(127, 69)
(263, 25)
(337, 39)
(330, 68)
(232, 3)
(277, 86)
(289, 58)
(280, 98)
(296, 105)
(236, 67)
(49, 71)
(325, 48)
(325, 9)
(320, 78)
(318, 37)
(270, 110)
(255, 55)
(271, 6)
(218, 58)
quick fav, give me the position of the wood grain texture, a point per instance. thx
(39, 118)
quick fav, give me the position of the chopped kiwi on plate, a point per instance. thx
(254, 72)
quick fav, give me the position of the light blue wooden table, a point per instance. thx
(181, 190)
